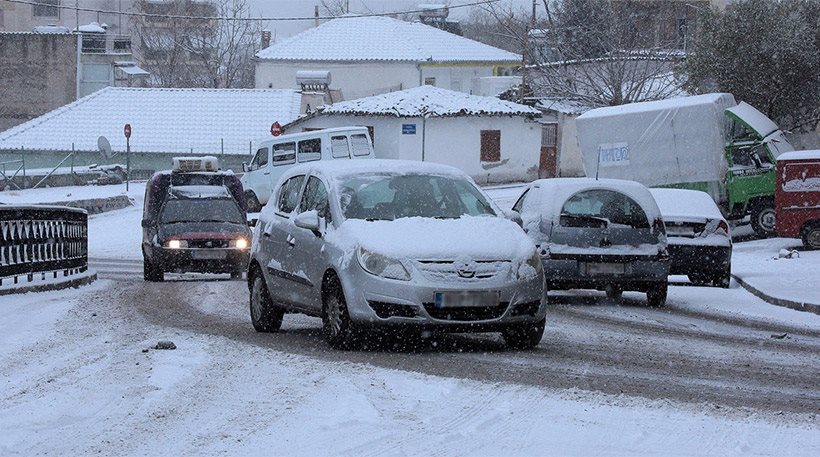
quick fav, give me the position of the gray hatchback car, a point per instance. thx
(602, 234)
(393, 244)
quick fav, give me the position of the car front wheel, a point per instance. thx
(337, 327)
(265, 317)
(524, 336)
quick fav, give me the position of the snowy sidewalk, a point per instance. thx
(781, 281)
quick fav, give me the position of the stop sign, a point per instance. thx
(127, 130)
(275, 129)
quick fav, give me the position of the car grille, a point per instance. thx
(207, 244)
(467, 314)
(385, 310)
(445, 270)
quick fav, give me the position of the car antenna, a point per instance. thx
(598, 165)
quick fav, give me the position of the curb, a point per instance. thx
(795, 305)
(71, 283)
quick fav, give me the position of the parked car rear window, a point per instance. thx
(388, 197)
(602, 208)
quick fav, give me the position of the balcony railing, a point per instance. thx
(104, 43)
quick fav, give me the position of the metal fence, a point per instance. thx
(42, 240)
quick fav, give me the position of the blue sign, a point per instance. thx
(408, 129)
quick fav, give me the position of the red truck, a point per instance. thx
(797, 196)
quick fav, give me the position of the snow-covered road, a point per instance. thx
(622, 380)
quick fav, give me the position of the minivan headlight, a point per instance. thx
(379, 265)
(239, 243)
(176, 244)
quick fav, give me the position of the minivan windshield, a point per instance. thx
(390, 196)
(201, 210)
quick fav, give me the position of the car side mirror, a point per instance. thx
(245, 167)
(514, 216)
(308, 220)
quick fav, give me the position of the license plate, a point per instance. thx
(672, 230)
(606, 268)
(465, 299)
(207, 254)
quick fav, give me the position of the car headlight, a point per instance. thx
(239, 243)
(176, 244)
(531, 267)
(379, 265)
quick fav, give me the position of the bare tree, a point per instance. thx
(214, 49)
(593, 52)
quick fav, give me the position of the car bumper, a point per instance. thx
(385, 302)
(699, 259)
(637, 274)
(195, 260)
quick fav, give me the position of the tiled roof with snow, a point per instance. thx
(429, 101)
(162, 120)
(382, 38)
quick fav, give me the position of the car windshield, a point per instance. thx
(388, 197)
(201, 210)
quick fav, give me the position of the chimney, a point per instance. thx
(265, 39)
(316, 15)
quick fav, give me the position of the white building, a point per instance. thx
(490, 139)
(373, 55)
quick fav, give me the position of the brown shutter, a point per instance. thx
(491, 145)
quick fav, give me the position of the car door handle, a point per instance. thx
(266, 173)
(291, 241)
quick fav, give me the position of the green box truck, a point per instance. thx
(704, 142)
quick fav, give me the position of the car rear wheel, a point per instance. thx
(337, 327)
(524, 336)
(151, 272)
(614, 292)
(656, 295)
(811, 237)
(265, 316)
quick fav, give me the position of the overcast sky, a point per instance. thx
(292, 8)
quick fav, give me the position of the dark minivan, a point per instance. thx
(194, 220)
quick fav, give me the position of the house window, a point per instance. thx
(45, 8)
(491, 145)
(430, 81)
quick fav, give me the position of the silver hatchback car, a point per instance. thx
(392, 244)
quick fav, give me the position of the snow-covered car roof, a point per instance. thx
(813, 154)
(332, 169)
(551, 194)
(685, 204)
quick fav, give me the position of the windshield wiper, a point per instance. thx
(581, 218)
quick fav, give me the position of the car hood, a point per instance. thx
(478, 238)
(203, 230)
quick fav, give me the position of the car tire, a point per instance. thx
(524, 336)
(252, 203)
(265, 316)
(151, 272)
(763, 219)
(337, 327)
(656, 295)
(614, 292)
(811, 237)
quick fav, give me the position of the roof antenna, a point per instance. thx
(598, 165)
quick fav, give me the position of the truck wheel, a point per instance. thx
(811, 237)
(763, 220)
(252, 203)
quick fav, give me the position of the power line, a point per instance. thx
(226, 18)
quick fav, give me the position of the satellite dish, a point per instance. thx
(105, 147)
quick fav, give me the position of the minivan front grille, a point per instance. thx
(208, 244)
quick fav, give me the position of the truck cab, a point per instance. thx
(752, 149)
(797, 197)
(276, 155)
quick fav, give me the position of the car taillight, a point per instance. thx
(657, 226)
(722, 225)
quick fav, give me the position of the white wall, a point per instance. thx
(355, 80)
(570, 162)
(453, 141)
(456, 77)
